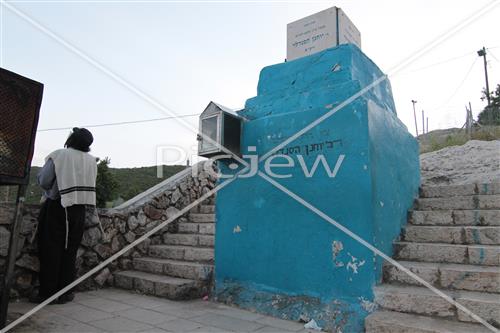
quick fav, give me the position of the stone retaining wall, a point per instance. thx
(121, 227)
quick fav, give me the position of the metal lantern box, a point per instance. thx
(223, 126)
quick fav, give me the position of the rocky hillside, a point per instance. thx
(474, 162)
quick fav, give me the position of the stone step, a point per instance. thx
(448, 253)
(459, 202)
(159, 285)
(197, 228)
(397, 322)
(182, 269)
(189, 239)
(422, 301)
(201, 218)
(207, 209)
(453, 234)
(455, 217)
(185, 253)
(447, 276)
(459, 190)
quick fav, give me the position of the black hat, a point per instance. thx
(80, 139)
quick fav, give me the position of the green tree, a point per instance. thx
(491, 113)
(106, 183)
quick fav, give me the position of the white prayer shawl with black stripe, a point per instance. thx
(76, 174)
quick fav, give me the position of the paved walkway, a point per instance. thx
(113, 310)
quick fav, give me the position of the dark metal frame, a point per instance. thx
(6, 284)
(8, 179)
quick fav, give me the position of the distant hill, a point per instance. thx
(131, 181)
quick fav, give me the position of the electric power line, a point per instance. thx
(459, 86)
(120, 123)
(492, 55)
(442, 62)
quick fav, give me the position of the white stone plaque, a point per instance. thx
(317, 32)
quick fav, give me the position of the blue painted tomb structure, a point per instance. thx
(275, 256)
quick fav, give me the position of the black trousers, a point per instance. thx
(57, 263)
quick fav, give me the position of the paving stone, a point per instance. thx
(180, 325)
(83, 295)
(146, 302)
(154, 330)
(169, 316)
(105, 305)
(81, 328)
(271, 329)
(237, 313)
(227, 323)
(397, 322)
(112, 294)
(209, 329)
(281, 324)
(80, 312)
(45, 321)
(145, 316)
(180, 311)
(120, 324)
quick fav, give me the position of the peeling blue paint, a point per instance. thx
(485, 188)
(476, 236)
(285, 262)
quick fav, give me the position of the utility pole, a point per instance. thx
(427, 125)
(482, 53)
(415, 116)
(423, 123)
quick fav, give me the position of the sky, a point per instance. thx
(106, 62)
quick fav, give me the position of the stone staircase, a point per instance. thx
(452, 241)
(182, 266)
